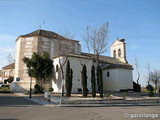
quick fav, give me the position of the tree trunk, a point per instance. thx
(155, 87)
(62, 80)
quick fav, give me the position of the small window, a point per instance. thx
(4, 73)
(114, 53)
(11, 73)
(56, 68)
(107, 73)
(119, 53)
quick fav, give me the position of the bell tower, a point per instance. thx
(118, 50)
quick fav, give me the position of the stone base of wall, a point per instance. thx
(21, 86)
(111, 101)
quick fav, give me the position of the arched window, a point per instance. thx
(114, 53)
(119, 53)
(107, 73)
(56, 68)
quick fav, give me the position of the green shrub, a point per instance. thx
(136, 87)
(93, 82)
(108, 95)
(50, 89)
(69, 77)
(150, 88)
(100, 81)
(150, 94)
(124, 95)
(10, 79)
(38, 89)
(84, 81)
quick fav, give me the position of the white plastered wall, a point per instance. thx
(116, 46)
(77, 68)
(119, 79)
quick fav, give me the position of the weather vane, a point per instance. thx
(41, 25)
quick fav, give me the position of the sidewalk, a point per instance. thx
(39, 98)
(81, 102)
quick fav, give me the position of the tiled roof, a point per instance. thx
(114, 62)
(10, 66)
(44, 33)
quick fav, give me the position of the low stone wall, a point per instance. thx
(111, 101)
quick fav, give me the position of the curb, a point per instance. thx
(52, 104)
(107, 105)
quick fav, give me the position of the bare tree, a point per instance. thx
(137, 66)
(10, 58)
(96, 40)
(68, 35)
(155, 77)
(148, 67)
(63, 49)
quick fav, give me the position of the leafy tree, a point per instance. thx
(69, 75)
(10, 79)
(93, 82)
(100, 81)
(39, 66)
(84, 81)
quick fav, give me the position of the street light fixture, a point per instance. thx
(30, 93)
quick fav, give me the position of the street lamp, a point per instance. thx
(30, 93)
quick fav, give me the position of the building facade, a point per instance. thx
(0, 76)
(8, 71)
(39, 41)
(117, 73)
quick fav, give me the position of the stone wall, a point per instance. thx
(25, 46)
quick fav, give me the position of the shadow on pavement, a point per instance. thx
(11, 100)
(9, 119)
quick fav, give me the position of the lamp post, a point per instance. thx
(30, 93)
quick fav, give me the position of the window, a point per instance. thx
(107, 73)
(119, 53)
(11, 73)
(114, 53)
(56, 68)
(4, 73)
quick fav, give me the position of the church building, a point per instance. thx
(117, 73)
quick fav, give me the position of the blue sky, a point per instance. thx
(137, 21)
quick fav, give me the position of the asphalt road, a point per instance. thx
(13, 107)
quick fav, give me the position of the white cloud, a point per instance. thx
(4, 52)
(7, 49)
(134, 46)
(7, 38)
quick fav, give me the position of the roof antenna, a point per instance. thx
(41, 25)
